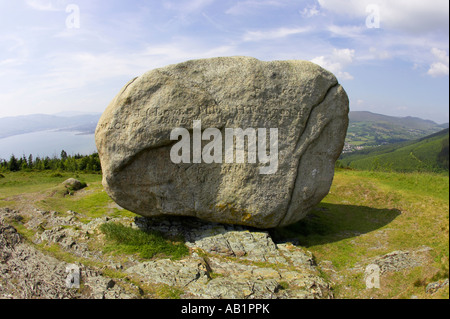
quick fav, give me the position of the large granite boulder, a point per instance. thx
(163, 140)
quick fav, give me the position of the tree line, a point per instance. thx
(71, 163)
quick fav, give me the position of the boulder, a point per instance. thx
(170, 141)
(73, 184)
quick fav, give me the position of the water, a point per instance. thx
(47, 143)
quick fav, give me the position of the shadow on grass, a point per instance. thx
(329, 223)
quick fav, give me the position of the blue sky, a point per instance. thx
(391, 56)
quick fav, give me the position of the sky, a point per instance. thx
(391, 56)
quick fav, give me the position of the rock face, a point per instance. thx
(27, 273)
(235, 263)
(302, 101)
(224, 261)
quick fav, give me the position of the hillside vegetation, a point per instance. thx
(398, 220)
(429, 154)
(368, 129)
(370, 216)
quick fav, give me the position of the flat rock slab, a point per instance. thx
(231, 261)
(302, 101)
(225, 261)
(27, 273)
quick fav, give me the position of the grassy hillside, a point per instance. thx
(366, 215)
(408, 121)
(426, 154)
(371, 214)
(369, 129)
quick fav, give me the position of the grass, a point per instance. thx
(16, 183)
(425, 154)
(44, 190)
(94, 203)
(368, 133)
(368, 214)
(146, 244)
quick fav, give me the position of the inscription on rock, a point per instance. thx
(304, 102)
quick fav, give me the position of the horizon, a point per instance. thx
(75, 56)
(80, 113)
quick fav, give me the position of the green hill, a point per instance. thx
(368, 129)
(430, 153)
(398, 221)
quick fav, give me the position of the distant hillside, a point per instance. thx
(368, 129)
(10, 126)
(408, 121)
(430, 153)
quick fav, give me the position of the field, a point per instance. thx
(426, 154)
(370, 214)
(373, 134)
(369, 129)
(366, 216)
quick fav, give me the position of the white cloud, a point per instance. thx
(441, 66)
(348, 31)
(185, 12)
(246, 7)
(182, 50)
(375, 53)
(10, 63)
(273, 34)
(441, 55)
(69, 78)
(415, 16)
(310, 11)
(409, 29)
(347, 7)
(45, 5)
(336, 62)
(189, 6)
(68, 71)
(15, 52)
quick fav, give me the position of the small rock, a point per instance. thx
(435, 286)
(73, 184)
(110, 284)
